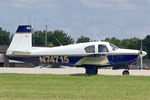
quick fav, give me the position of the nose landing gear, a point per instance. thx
(125, 72)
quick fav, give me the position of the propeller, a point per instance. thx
(142, 54)
(141, 57)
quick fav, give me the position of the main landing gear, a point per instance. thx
(91, 70)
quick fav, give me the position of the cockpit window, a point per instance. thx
(90, 49)
(102, 48)
(114, 47)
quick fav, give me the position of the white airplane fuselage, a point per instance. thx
(94, 54)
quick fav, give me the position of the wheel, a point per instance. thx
(125, 72)
(91, 70)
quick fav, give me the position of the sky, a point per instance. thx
(96, 19)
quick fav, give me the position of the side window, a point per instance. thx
(102, 48)
(90, 49)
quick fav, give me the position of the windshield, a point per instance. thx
(114, 47)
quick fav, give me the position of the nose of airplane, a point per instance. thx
(142, 53)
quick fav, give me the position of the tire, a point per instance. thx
(125, 72)
(91, 70)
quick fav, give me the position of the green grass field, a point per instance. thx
(73, 87)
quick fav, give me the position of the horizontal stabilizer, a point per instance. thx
(21, 53)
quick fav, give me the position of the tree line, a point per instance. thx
(59, 37)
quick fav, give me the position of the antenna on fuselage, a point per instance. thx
(97, 38)
(58, 41)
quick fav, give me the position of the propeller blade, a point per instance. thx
(141, 60)
(141, 45)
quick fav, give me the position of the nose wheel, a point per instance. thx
(125, 72)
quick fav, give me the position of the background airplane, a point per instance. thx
(90, 55)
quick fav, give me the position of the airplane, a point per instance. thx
(90, 55)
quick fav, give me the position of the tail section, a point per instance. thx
(22, 40)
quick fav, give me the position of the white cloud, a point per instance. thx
(81, 17)
(28, 4)
(113, 4)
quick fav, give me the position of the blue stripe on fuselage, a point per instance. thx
(71, 60)
(122, 59)
(62, 60)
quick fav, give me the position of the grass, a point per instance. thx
(73, 87)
